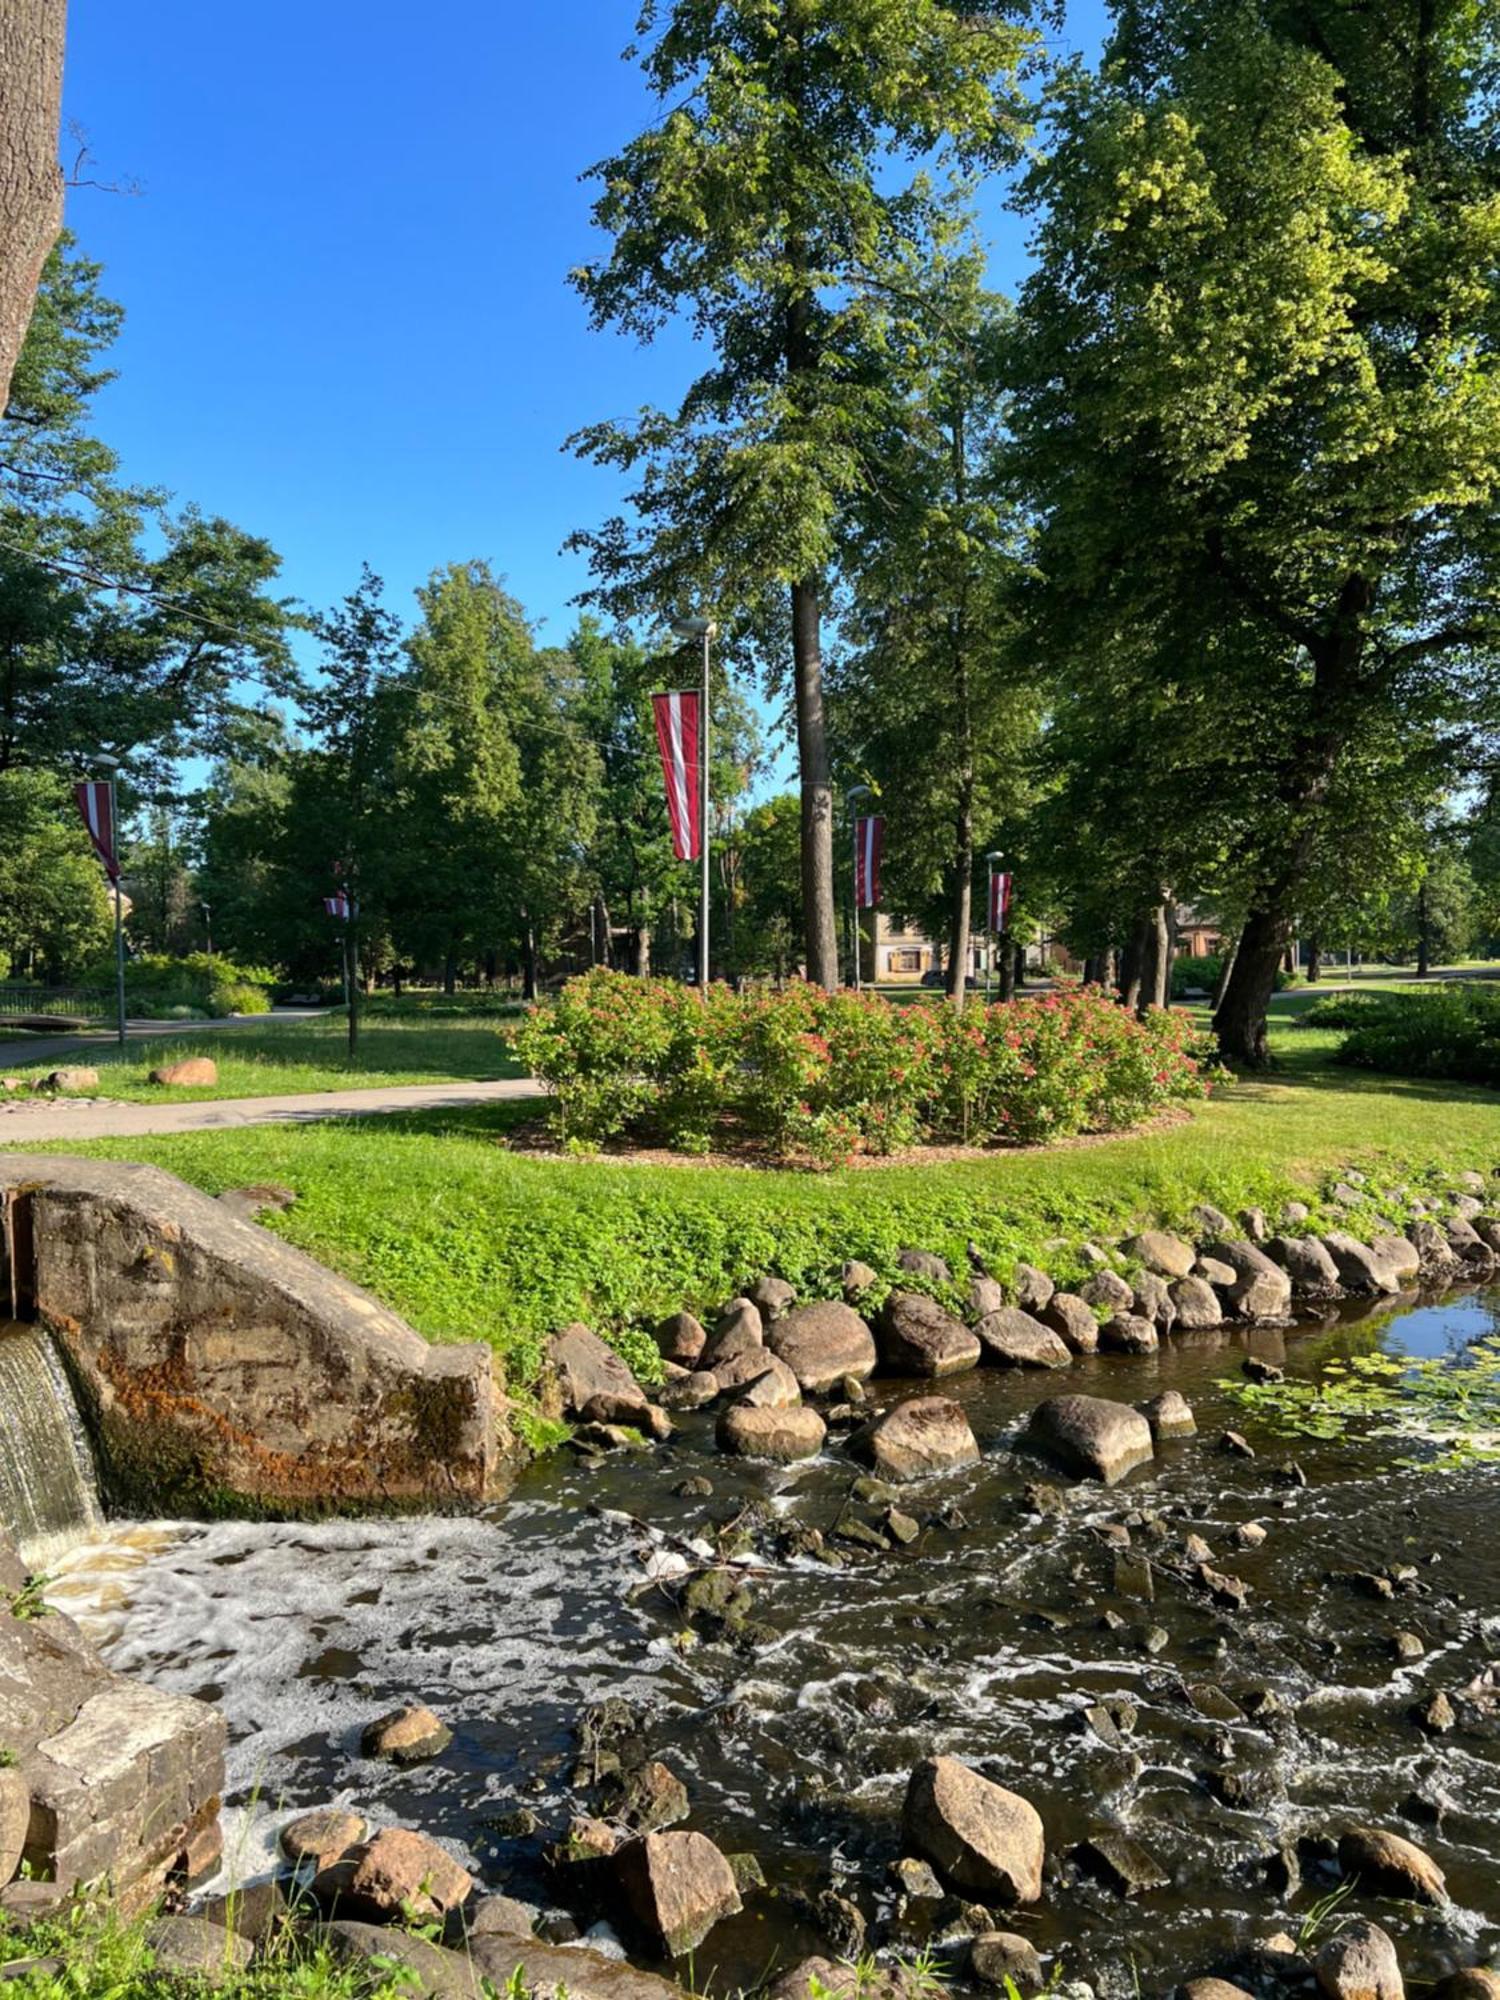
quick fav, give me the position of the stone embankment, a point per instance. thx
(220, 1369)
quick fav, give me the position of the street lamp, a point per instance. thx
(704, 629)
(994, 858)
(855, 793)
(109, 765)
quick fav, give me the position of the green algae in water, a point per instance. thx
(1450, 1403)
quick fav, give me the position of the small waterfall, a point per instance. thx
(48, 1496)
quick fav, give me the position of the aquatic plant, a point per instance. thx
(1450, 1403)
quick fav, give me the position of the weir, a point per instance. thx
(49, 1498)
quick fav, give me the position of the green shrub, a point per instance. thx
(1450, 1030)
(1202, 975)
(164, 988)
(822, 1076)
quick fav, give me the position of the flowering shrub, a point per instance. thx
(823, 1076)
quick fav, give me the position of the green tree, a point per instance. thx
(770, 885)
(55, 914)
(1259, 398)
(768, 204)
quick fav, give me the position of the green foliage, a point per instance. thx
(30, 1601)
(55, 913)
(824, 1076)
(156, 984)
(1449, 1030)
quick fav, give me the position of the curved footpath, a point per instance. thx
(25, 1121)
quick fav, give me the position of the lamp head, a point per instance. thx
(694, 628)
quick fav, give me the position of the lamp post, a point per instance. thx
(109, 765)
(704, 629)
(853, 795)
(994, 859)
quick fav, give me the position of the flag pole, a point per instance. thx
(994, 859)
(706, 630)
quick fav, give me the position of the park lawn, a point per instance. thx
(471, 1240)
(294, 1057)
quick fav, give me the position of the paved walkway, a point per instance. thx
(98, 1041)
(26, 1122)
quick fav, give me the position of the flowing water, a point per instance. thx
(985, 1638)
(48, 1498)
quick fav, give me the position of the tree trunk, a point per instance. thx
(1155, 960)
(820, 924)
(1424, 934)
(1096, 969)
(1007, 967)
(1314, 955)
(528, 963)
(960, 917)
(1240, 1017)
(1227, 956)
(450, 974)
(31, 182)
(643, 951)
(1137, 968)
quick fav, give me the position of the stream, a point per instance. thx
(985, 1638)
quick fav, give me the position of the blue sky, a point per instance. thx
(349, 325)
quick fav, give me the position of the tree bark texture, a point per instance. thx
(820, 925)
(31, 182)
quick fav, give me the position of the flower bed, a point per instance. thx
(822, 1076)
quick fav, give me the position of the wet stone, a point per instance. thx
(1123, 1863)
(1002, 1959)
(408, 1736)
(1385, 1864)
(1359, 1963)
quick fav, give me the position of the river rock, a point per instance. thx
(751, 1432)
(857, 1277)
(500, 1916)
(1122, 1862)
(1170, 1415)
(1001, 1958)
(1359, 1268)
(1211, 1989)
(1473, 1982)
(1387, 1865)
(924, 1434)
(1107, 1290)
(407, 1736)
(1153, 1300)
(691, 1392)
(737, 1331)
(1073, 1319)
(1196, 1304)
(1211, 1221)
(596, 1384)
(15, 1817)
(918, 1338)
(1091, 1436)
(979, 1837)
(1161, 1252)
(774, 1388)
(192, 1070)
(742, 1369)
(986, 1295)
(1360, 1963)
(773, 1296)
(677, 1886)
(1259, 1289)
(926, 1264)
(398, 1873)
(1431, 1246)
(822, 1343)
(1128, 1333)
(1307, 1262)
(321, 1837)
(193, 1948)
(1015, 1340)
(682, 1339)
(654, 1797)
(1033, 1288)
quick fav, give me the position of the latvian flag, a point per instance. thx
(999, 901)
(678, 736)
(869, 836)
(93, 803)
(337, 906)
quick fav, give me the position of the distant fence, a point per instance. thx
(21, 1003)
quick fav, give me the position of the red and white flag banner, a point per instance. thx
(94, 804)
(337, 906)
(999, 901)
(869, 838)
(678, 736)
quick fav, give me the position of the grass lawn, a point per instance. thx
(296, 1056)
(470, 1240)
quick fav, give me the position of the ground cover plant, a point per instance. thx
(293, 1057)
(471, 1239)
(1452, 1030)
(823, 1076)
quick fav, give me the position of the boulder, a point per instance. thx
(491, 1962)
(71, 1080)
(408, 1736)
(1253, 1222)
(1400, 1255)
(822, 1343)
(1001, 1958)
(397, 1874)
(1258, 1288)
(1211, 1221)
(192, 1070)
(925, 1264)
(1359, 1963)
(321, 1837)
(654, 1798)
(1107, 1289)
(1386, 1865)
(773, 1296)
(1122, 1862)
(1196, 1304)
(1073, 1320)
(1307, 1262)
(918, 1338)
(925, 1434)
(1431, 1246)
(15, 1817)
(1091, 1436)
(1152, 1299)
(676, 1887)
(1358, 1266)
(691, 1392)
(775, 1388)
(1015, 1340)
(1212, 1989)
(1170, 1415)
(980, 1838)
(743, 1369)
(596, 1384)
(196, 1949)
(986, 1295)
(1159, 1251)
(1033, 1288)
(738, 1330)
(1472, 1982)
(856, 1278)
(749, 1431)
(1128, 1333)
(682, 1339)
